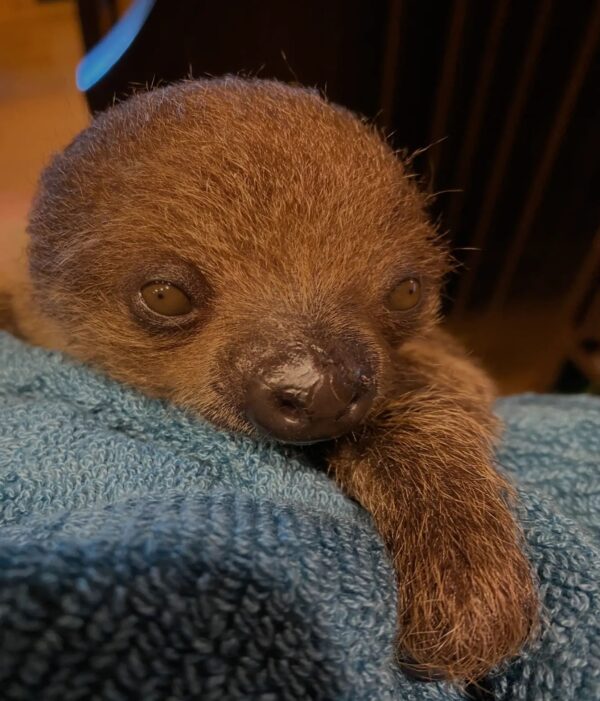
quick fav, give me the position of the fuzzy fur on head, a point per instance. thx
(288, 218)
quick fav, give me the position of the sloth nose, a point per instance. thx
(308, 399)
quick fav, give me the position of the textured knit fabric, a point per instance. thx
(144, 555)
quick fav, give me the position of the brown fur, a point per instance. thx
(292, 219)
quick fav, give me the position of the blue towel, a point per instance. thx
(144, 555)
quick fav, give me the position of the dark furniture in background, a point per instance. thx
(504, 98)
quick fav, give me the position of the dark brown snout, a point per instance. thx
(310, 396)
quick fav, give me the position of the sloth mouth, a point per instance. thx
(262, 433)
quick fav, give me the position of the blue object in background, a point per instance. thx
(108, 51)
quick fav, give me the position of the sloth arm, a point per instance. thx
(423, 468)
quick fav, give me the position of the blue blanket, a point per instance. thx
(144, 555)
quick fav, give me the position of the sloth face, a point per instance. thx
(313, 387)
(243, 249)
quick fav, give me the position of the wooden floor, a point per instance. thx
(40, 107)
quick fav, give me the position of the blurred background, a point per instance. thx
(498, 102)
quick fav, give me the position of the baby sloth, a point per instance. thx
(262, 258)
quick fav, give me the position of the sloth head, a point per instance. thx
(242, 248)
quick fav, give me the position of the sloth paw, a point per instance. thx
(458, 624)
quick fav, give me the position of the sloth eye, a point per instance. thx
(405, 295)
(165, 298)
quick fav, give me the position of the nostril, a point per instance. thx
(342, 412)
(353, 403)
(288, 403)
